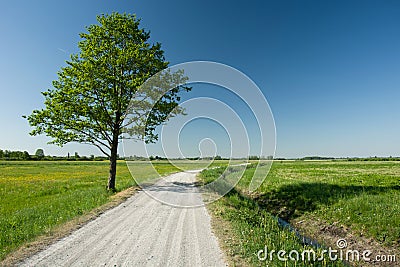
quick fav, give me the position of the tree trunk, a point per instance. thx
(113, 163)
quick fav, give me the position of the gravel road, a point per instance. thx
(143, 232)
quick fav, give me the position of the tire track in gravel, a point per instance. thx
(143, 232)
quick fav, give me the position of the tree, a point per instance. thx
(91, 99)
(26, 155)
(39, 153)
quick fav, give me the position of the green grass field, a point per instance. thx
(363, 196)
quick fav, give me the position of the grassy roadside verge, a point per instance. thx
(57, 232)
(317, 197)
(49, 199)
(244, 228)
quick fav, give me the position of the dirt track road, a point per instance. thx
(143, 232)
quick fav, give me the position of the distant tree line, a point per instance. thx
(14, 155)
(375, 159)
(39, 155)
(317, 158)
(350, 159)
(217, 157)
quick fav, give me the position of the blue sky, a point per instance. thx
(329, 69)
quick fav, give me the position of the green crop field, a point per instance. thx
(363, 197)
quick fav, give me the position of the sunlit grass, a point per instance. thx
(364, 196)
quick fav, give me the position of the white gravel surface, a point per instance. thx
(143, 232)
